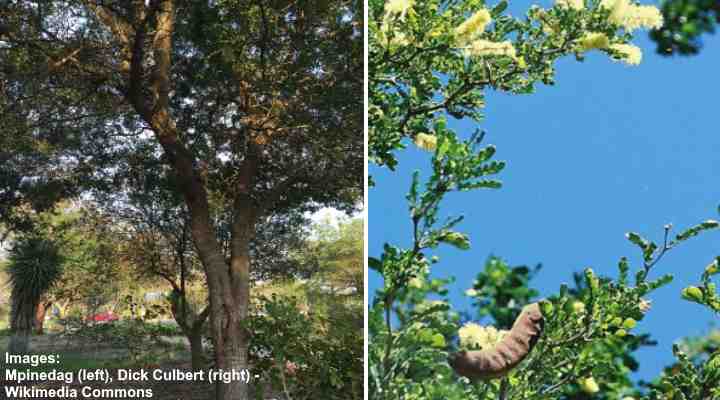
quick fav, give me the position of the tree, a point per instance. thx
(685, 22)
(433, 61)
(155, 224)
(253, 100)
(336, 253)
(34, 267)
(91, 273)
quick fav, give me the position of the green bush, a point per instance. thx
(308, 355)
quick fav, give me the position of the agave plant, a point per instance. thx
(35, 265)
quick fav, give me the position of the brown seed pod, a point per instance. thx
(506, 355)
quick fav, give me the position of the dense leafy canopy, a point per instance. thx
(249, 109)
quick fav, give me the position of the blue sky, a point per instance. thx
(607, 150)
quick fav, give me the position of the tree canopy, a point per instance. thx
(251, 106)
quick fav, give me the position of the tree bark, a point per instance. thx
(228, 284)
(196, 350)
(192, 327)
(40, 314)
(22, 317)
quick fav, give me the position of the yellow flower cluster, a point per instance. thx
(630, 16)
(398, 7)
(643, 17)
(487, 48)
(473, 26)
(593, 40)
(395, 9)
(631, 54)
(425, 141)
(473, 336)
(466, 35)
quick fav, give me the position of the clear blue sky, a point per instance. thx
(607, 150)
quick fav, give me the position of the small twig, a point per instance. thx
(504, 386)
(284, 382)
(665, 247)
(558, 384)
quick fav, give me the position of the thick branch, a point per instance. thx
(122, 30)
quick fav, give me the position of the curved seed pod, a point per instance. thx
(506, 355)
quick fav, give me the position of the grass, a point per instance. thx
(107, 346)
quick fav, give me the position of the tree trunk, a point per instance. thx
(190, 323)
(228, 289)
(234, 358)
(228, 285)
(196, 350)
(21, 324)
(40, 313)
(233, 336)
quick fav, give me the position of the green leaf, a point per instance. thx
(438, 340)
(637, 240)
(498, 9)
(624, 268)
(375, 264)
(457, 239)
(695, 230)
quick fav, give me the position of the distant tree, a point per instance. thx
(685, 22)
(93, 273)
(336, 253)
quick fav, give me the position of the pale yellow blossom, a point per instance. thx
(394, 9)
(487, 48)
(631, 17)
(593, 40)
(474, 336)
(642, 17)
(425, 141)
(632, 54)
(473, 26)
(398, 7)
(415, 282)
(573, 4)
(399, 39)
(618, 10)
(589, 385)
(578, 307)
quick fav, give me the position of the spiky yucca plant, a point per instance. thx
(34, 267)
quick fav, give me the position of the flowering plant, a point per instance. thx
(433, 60)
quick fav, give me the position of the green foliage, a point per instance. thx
(421, 72)
(310, 354)
(35, 265)
(686, 380)
(335, 253)
(424, 70)
(501, 291)
(93, 272)
(685, 22)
